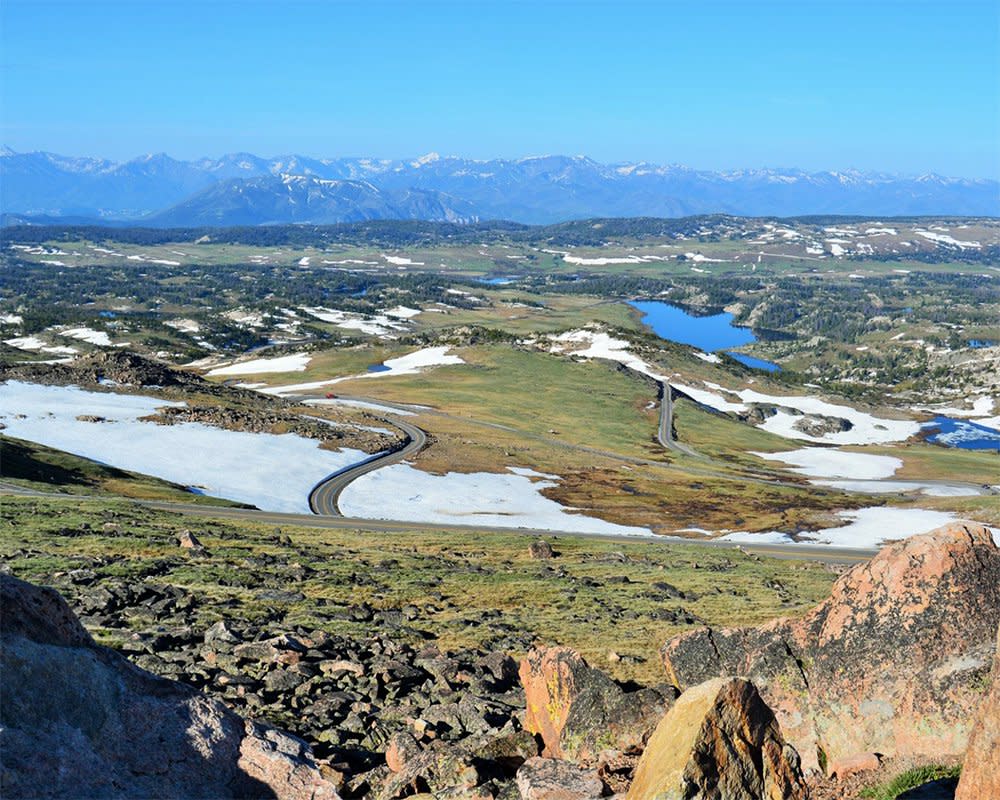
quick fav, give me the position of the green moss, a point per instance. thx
(910, 780)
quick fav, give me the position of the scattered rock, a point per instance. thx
(79, 720)
(579, 711)
(892, 662)
(720, 740)
(188, 540)
(402, 751)
(851, 765)
(981, 770)
(552, 779)
(540, 549)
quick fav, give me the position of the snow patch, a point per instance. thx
(820, 462)
(89, 335)
(401, 492)
(258, 366)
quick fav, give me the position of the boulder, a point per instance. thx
(401, 751)
(78, 720)
(188, 540)
(981, 770)
(579, 711)
(893, 662)
(720, 740)
(844, 768)
(540, 549)
(551, 779)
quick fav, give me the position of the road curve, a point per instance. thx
(665, 433)
(324, 497)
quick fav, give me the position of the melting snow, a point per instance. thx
(258, 366)
(820, 462)
(865, 528)
(401, 492)
(99, 338)
(410, 364)
(275, 473)
(34, 343)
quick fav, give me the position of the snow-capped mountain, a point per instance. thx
(162, 190)
(304, 198)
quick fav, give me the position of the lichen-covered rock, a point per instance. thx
(981, 770)
(720, 740)
(892, 662)
(552, 779)
(540, 549)
(79, 720)
(581, 712)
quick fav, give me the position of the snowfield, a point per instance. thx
(866, 428)
(380, 325)
(274, 473)
(34, 343)
(100, 338)
(512, 500)
(598, 344)
(865, 528)
(410, 364)
(819, 462)
(362, 404)
(402, 261)
(259, 366)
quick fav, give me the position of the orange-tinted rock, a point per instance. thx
(579, 711)
(981, 770)
(892, 662)
(401, 751)
(720, 740)
(852, 765)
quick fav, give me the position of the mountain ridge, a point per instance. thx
(156, 188)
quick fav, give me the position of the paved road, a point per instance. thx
(665, 433)
(805, 552)
(324, 497)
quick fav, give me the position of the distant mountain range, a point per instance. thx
(244, 189)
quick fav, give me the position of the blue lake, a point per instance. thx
(978, 343)
(710, 334)
(378, 368)
(963, 434)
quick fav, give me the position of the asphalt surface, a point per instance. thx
(325, 496)
(665, 433)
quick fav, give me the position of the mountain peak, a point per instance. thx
(424, 160)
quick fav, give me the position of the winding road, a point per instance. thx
(665, 433)
(324, 497)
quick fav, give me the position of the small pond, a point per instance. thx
(378, 368)
(710, 334)
(501, 280)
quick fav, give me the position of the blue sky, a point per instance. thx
(907, 86)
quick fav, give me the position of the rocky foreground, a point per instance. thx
(897, 662)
